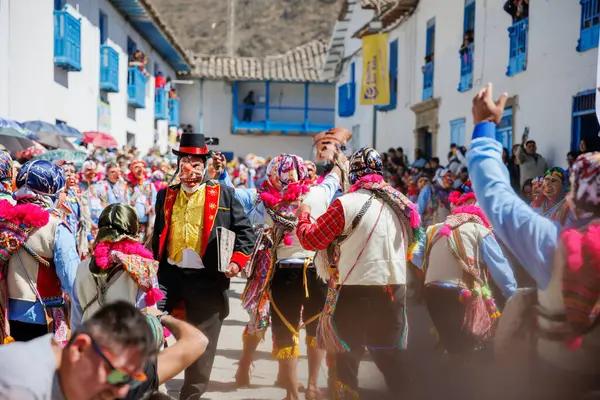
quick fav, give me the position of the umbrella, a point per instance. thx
(69, 131)
(32, 151)
(55, 140)
(41, 126)
(76, 156)
(99, 139)
(14, 145)
(9, 127)
(60, 129)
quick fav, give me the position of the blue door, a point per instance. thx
(504, 130)
(457, 132)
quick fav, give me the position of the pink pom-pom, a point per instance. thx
(166, 332)
(572, 240)
(287, 240)
(466, 294)
(445, 230)
(415, 218)
(153, 296)
(573, 343)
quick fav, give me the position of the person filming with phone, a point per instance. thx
(531, 164)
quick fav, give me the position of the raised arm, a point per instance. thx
(531, 237)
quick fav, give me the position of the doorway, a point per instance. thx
(425, 142)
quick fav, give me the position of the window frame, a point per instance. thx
(458, 124)
(103, 27)
(588, 35)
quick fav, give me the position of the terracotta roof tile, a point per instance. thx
(301, 64)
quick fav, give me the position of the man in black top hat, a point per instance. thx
(185, 243)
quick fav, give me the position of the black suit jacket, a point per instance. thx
(229, 214)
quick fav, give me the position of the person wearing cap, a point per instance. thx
(285, 283)
(463, 265)
(121, 268)
(41, 273)
(563, 263)
(364, 240)
(188, 216)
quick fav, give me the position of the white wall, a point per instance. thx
(362, 120)
(4, 54)
(215, 106)
(39, 90)
(555, 73)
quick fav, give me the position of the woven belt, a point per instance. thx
(287, 265)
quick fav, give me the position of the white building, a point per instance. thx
(289, 104)
(551, 80)
(51, 67)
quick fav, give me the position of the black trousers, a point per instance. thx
(289, 296)
(374, 318)
(448, 314)
(206, 306)
(24, 332)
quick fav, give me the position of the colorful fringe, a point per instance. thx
(327, 334)
(343, 391)
(286, 353)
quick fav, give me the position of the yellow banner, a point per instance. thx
(375, 88)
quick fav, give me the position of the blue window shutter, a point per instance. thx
(393, 74)
(457, 131)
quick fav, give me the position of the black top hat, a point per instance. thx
(192, 144)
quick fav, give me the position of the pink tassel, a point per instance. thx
(445, 231)
(572, 240)
(415, 218)
(573, 343)
(166, 332)
(287, 240)
(153, 296)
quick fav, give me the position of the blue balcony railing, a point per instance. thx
(518, 34)
(161, 110)
(590, 25)
(109, 69)
(466, 68)
(136, 87)
(427, 81)
(347, 99)
(173, 112)
(67, 41)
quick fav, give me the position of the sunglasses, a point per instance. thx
(117, 377)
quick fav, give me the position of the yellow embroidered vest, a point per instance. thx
(185, 230)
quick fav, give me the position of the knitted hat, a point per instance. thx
(364, 161)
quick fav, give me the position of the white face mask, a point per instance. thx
(191, 190)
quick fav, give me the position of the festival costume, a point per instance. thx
(117, 192)
(556, 210)
(120, 269)
(193, 279)
(563, 265)
(142, 197)
(38, 253)
(461, 259)
(96, 194)
(364, 240)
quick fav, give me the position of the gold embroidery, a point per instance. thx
(212, 206)
(185, 230)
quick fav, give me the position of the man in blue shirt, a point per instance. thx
(563, 264)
